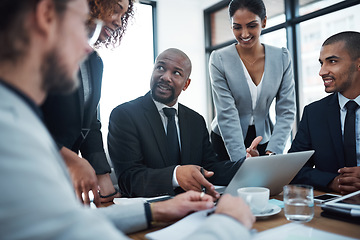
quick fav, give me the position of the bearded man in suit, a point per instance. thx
(139, 147)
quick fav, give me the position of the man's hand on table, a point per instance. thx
(236, 208)
(180, 206)
(191, 201)
(348, 181)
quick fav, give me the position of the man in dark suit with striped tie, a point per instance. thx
(158, 145)
(331, 126)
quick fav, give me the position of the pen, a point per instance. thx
(203, 189)
(210, 213)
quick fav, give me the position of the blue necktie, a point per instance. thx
(349, 134)
(172, 136)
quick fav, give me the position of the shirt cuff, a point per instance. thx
(174, 179)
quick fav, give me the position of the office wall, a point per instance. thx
(181, 25)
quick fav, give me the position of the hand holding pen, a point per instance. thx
(203, 188)
(190, 177)
(207, 174)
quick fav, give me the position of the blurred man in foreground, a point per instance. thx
(43, 43)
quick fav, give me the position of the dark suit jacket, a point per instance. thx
(65, 116)
(320, 130)
(137, 147)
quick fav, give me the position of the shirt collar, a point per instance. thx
(20, 94)
(343, 100)
(160, 106)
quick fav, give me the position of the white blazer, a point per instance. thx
(233, 104)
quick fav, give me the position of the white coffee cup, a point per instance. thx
(256, 197)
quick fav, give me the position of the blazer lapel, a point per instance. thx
(268, 89)
(95, 69)
(333, 119)
(152, 115)
(239, 85)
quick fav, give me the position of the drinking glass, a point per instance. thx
(299, 203)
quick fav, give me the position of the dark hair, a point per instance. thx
(351, 40)
(14, 37)
(102, 8)
(255, 6)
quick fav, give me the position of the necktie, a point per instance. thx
(349, 134)
(172, 136)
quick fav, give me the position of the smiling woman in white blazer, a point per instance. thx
(246, 77)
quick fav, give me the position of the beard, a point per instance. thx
(349, 82)
(55, 78)
(160, 99)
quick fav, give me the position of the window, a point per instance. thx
(312, 34)
(220, 27)
(309, 6)
(275, 11)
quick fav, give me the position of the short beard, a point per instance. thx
(349, 80)
(55, 78)
(162, 100)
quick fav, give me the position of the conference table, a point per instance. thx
(318, 222)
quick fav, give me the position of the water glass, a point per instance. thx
(299, 203)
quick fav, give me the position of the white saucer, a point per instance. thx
(270, 210)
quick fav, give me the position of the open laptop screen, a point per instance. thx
(273, 171)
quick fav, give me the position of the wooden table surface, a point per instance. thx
(318, 222)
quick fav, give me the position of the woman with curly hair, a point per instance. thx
(73, 119)
(110, 12)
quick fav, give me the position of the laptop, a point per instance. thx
(273, 172)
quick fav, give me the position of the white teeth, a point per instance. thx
(109, 31)
(246, 39)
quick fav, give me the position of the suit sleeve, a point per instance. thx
(285, 107)
(308, 174)
(224, 170)
(92, 149)
(50, 210)
(227, 113)
(126, 149)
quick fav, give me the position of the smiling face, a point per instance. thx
(338, 71)
(113, 21)
(170, 76)
(247, 27)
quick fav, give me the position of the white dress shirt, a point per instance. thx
(254, 91)
(164, 120)
(342, 101)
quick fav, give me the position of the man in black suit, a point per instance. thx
(138, 144)
(323, 123)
